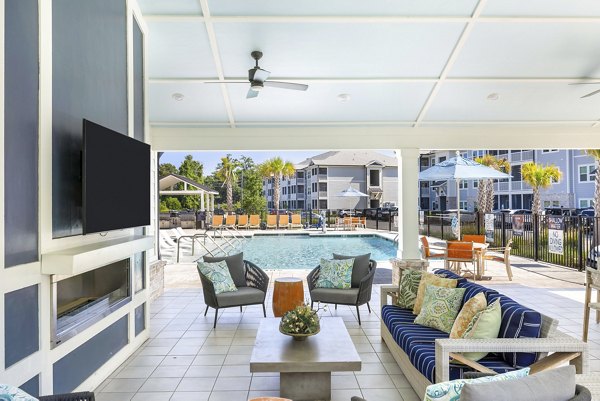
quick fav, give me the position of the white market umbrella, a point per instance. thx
(352, 192)
(458, 168)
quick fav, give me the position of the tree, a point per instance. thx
(253, 201)
(171, 203)
(226, 172)
(595, 153)
(485, 189)
(165, 169)
(277, 169)
(193, 170)
(539, 177)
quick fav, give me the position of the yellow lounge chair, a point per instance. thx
(284, 221)
(217, 222)
(243, 221)
(230, 221)
(296, 221)
(271, 221)
(254, 221)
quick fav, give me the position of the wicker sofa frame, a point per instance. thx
(553, 346)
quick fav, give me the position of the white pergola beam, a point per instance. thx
(369, 123)
(362, 80)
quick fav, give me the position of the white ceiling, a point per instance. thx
(403, 62)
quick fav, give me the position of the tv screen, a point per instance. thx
(116, 180)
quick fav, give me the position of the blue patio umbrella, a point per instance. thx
(458, 168)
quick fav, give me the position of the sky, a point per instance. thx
(210, 159)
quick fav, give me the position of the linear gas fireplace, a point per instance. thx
(81, 300)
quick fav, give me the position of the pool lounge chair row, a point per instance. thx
(254, 221)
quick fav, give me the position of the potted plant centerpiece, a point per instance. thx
(300, 323)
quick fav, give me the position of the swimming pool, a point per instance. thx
(306, 251)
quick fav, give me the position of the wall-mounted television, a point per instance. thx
(116, 180)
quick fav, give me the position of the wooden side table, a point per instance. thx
(288, 292)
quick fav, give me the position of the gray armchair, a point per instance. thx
(360, 292)
(251, 282)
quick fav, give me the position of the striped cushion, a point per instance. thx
(448, 274)
(393, 315)
(517, 322)
(472, 289)
(407, 334)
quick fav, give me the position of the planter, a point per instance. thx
(299, 337)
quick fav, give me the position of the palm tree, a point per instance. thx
(226, 172)
(278, 169)
(595, 153)
(539, 177)
(485, 189)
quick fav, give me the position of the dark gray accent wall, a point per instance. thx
(89, 80)
(21, 95)
(138, 82)
(75, 367)
(32, 386)
(140, 319)
(21, 324)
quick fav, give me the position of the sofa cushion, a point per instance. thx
(407, 334)
(236, 266)
(335, 274)
(393, 315)
(484, 325)
(243, 296)
(335, 296)
(448, 274)
(430, 279)
(361, 266)
(551, 385)
(440, 307)
(468, 311)
(408, 288)
(518, 321)
(472, 289)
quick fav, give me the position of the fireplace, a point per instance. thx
(81, 300)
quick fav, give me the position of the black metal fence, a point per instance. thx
(530, 235)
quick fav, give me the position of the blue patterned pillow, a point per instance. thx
(219, 276)
(335, 274)
(10, 393)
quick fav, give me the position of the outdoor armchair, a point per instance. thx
(504, 257)
(438, 253)
(243, 221)
(254, 221)
(251, 282)
(296, 221)
(271, 221)
(284, 221)
(359, 294)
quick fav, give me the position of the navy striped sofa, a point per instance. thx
(418, 349)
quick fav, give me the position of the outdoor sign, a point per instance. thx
(489, 227)
(555, 235)
(454, 225)
(518, 221)
(421, 217)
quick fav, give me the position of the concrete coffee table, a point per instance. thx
(304, 366)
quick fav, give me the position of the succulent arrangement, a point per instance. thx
(303, 320)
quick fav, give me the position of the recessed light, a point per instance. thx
(343, 97)
(178, 97)
(493, 96)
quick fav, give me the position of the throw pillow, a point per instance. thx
(409, 285)
(236, 266)
(485, 324)
(431, 279)
(335, 274)
(219, 276)
(360, 268)
(440, 307)
(473, 306)
(11, 393)
(451, 391)
(551, 385)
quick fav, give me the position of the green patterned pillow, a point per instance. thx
(450, 391)
(219, 276)
(335, 274)
(440, 307)
(409, 286)
(485, 324)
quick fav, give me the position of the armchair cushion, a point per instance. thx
(360, 268)
(235, 263)
(10, 393)
(334, 295)
(552, 385)
(219, 276)
(243, 296)
(335, 274)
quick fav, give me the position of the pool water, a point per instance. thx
(305, 252)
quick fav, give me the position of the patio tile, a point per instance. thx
(345, 395)
(169, 371)
(135, 372)
(263, 393)
(190, 396)
(152, 396)
(375, 381)
(203, 371)
(208, 360)
(228, 396)
(123, 385)
(146, 360)
(177, 361)
(344, 382)
(155, 351)
(400, 381)
(372, 369)
(381, 394)
(213, 350)
(232, 383)
(196, 384)
(114, 396)
(159, 384)
(265, 383)
(235, 371)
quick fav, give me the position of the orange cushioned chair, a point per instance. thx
(480, 239)
(427, 250)
(460, 253)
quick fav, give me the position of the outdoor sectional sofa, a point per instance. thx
(527, 337)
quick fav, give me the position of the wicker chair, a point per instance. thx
(356, 296)
(253, 293)
(85, 396)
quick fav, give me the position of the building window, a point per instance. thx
(478, 153)
(442, 159)
(299, 174)
(322, 170)
(549, 150)
(300, 189)
(463, 184)
(374, 178)
(587, 173)
(463, 205)
(516, 172)
(475, 184)
(585, 203)
(300, 204)
(323, 204)
(322, 187)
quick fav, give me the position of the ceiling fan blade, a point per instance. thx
(591, 94)
(286, 85)
(251, 94)
(258, 74)
(585, 83)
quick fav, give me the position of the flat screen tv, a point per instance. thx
(116, 180)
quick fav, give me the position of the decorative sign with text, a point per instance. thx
(421, 217)
(555, 235)
(518, 222)
(489, 227)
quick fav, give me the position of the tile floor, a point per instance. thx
(185, 359)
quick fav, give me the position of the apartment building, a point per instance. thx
(575, 189)
(320, 179)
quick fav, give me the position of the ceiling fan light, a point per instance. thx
(256, 87)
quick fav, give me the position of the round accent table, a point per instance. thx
(288, 292)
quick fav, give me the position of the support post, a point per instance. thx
(408, 203)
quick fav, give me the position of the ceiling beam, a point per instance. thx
(592, 123)
(212, 39)
(462, 40)
(359, 80)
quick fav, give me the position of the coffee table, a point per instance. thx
(304, 366)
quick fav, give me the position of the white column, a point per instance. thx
(202, 201)
(212, 203)
(408, 203)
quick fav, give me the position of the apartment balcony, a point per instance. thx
(502, 186)
(322, 177)
(322, 194)
(299, 196)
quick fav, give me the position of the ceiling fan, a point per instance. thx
(588, 83)
(258, 79)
